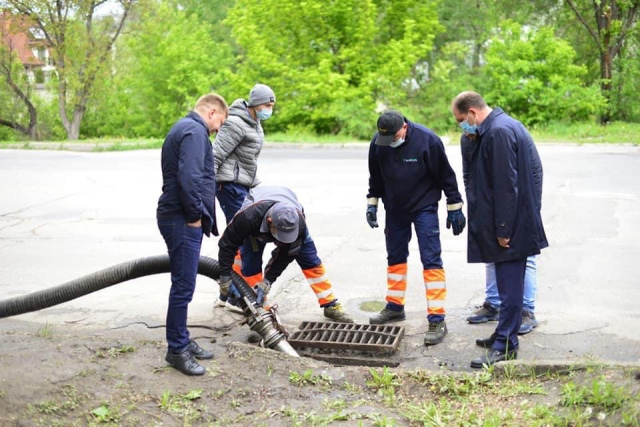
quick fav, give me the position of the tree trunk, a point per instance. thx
(73, 133)
(606, 62)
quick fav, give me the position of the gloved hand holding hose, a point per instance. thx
(262, 289)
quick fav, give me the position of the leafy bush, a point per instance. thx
(532, 76)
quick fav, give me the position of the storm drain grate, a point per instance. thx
(347, 336)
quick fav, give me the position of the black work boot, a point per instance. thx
(484, 314)
(436, 333)
(185, 363)
(387, 316)
(493, 356)
(487, 342)
(199, 352)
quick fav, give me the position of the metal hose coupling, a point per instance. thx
(267, 324)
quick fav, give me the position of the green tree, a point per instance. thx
(82, 41)
(18, 110)
(331, 63)
(533, 76)
(609, 23)
(167, 60)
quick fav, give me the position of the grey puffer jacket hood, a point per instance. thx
(237, 147)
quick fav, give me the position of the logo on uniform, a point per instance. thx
(410, 160)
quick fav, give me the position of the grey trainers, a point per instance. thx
(528, 322)
(337, 314)
(386, 316)
(436, 333)
(484, 314)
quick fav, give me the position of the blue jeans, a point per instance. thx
(530, 285)
(183, 244)
(230, 196)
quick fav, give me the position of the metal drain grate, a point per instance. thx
(347, 336)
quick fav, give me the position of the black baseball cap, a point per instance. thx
(389, 124)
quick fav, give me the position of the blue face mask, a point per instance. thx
(467, 128)
(264, 114)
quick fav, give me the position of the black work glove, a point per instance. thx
(456, 220)
(372, 216)
(262, 289)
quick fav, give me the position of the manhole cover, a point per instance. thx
(347, 336)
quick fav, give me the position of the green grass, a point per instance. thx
(577, 133)
(589, 133)
(309, 138)
(580, 133)
(98, 144)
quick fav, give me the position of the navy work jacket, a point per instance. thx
(411, 177)
(502, 174)
(188, 178)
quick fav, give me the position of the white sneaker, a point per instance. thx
(233, 308)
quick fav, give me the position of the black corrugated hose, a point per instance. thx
(108, 277)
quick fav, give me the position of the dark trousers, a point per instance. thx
(230, 196)
(398, 235)
(510, 281)
(183, 244)
(306, 257)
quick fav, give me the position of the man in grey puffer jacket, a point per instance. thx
(236, 150)
(237, 147)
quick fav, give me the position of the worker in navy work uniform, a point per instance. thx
(409, 170)
(185, 212)
(273, 214)
(504, 192)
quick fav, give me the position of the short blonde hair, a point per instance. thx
(212, 100)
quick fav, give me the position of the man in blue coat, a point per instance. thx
(500, 163)
(409, 171)
(185, 212)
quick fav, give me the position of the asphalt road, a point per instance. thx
(66, 214)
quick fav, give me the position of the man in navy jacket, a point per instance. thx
(409, 170)
(185, 212)
(504, 193)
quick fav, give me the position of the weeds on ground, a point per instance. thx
(114, 352)
(312, 419)
(105, 414)
(385, 381)
(69, 402)
(181, 404)
(600, 394)
(308, 378)
(46, 331)
(453, 385)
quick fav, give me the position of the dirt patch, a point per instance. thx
(68, 375)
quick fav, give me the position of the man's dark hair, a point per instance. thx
(467, 100)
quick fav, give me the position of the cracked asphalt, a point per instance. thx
(66, 214)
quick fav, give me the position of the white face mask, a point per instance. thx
(397, 143)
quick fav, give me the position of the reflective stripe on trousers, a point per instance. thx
(396, 283)
(436, 290)
(320, 284)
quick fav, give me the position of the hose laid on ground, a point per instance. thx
(264, 322)
(105, 278)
